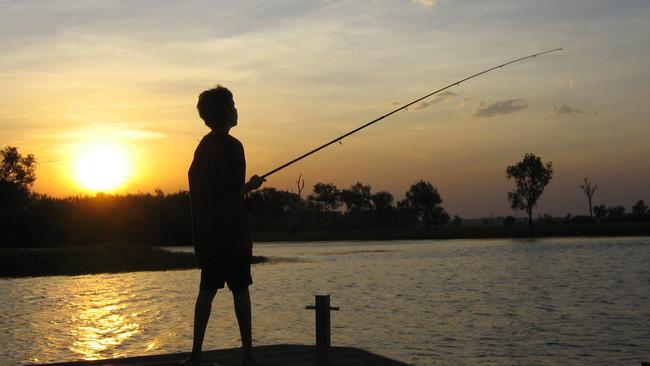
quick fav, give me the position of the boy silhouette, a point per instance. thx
(220, 231)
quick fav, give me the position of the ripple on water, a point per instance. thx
(542, 302)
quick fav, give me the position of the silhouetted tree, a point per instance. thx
(440, 217)
(16, 169)
(325, 197)
(16, 178)
(357, 199)
(271, 209)
(456, 221)
(589, 190)
(300, 185)
(509, 221)
(600, 211)
(531, 177)
(616, 212)
(639, 209)
(382, 201)
(424, 201)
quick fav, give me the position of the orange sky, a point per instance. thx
(78, 74)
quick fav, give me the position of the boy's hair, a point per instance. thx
(213, 106)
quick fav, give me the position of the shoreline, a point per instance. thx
(126, 257)
(75, 261)
(477, 232)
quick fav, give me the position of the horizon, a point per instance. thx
(76, 74)
(518, 214)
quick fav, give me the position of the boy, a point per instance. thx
(221, 236)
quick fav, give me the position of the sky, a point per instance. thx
(75, 74)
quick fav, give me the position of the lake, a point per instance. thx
(556, 301)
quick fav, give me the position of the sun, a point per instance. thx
(102, 167)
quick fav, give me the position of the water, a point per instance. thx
(578, 301)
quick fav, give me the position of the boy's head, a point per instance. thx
(217, 108)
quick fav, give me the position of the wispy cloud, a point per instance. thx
(500, 107)
(429, 3)
(437, 98)
(566, 110)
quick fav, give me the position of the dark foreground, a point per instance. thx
(277, 355)
(610, 229)
(92, 260)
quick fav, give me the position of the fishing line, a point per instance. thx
(457, 83)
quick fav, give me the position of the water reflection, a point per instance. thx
(102, 320)
(499, 302)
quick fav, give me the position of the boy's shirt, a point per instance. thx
(220, 230)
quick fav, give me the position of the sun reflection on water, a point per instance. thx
(102, 323)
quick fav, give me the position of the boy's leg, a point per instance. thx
(242, 301)
(201, 316)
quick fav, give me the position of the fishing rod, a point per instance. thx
(338, 139)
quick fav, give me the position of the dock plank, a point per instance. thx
(274, 355)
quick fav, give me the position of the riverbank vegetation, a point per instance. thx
(93, 259)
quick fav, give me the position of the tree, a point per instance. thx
(357, 198)
(272, 209)
(531, 177)
(589, 191)
(16, 178)
(616, 212)
(639, 209)
(600, 211)
(325, 197)
(510, 221)
(300, 185)
(16, 169)
(457, 221)
(382, 200)
(423, 200)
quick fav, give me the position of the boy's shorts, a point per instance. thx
(237, 276)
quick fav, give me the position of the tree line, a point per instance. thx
(31, 219)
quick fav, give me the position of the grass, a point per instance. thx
(91, 260)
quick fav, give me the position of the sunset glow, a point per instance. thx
(303, 73)
(102, 167)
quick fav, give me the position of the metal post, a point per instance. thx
(323, 338)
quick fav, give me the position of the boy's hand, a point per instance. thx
(255, 182)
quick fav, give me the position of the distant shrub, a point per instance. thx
(583, 220)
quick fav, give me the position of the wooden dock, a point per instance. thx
(276, 355)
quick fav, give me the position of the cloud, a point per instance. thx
(500, 107)
(567, 110)
(437, 98)
(429, 3)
